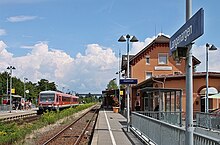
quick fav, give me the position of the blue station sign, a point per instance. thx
(190, 31)
(128, 81)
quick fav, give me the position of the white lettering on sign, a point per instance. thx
(182, 37)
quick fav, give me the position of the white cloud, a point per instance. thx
(21, 18)
(2, 32)
(89, 72)
(200, 53)
(5, 56)
(138, 46)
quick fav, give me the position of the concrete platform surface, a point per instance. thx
(111, 129)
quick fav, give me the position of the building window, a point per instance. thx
(148, 75)
(147, 59)
(162, 58)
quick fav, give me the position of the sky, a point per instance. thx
(74, 42)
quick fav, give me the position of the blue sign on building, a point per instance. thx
(128, 81)
(191, 30)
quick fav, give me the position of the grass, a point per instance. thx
(11, 133)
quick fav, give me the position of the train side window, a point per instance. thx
(57, 98)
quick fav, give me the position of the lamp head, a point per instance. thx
(121, 39)
(134, 39)
(213, 47)
(10, 67)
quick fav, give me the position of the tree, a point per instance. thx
(44, 85)
(112, 85)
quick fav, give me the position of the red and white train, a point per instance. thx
(52, 100)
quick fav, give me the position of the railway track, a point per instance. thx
(78, 132)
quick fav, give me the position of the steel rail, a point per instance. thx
(65, 128)
(85, 128)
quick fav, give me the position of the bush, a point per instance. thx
(10, 133)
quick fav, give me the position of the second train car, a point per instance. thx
(53, 100)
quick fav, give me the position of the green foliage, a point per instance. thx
(44, 85)
(18, 85)
(11, 133)
(112, 85)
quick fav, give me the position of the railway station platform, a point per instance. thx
(6, 115)
(111, 129)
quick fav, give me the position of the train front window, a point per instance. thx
(47, 98)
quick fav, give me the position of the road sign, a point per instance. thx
(190, 31)
(128, 81)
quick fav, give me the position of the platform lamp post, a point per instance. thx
(115, 88)
(211, 48)
(10, 68)
(25, 79)
(7, 85)
(128, 40)
(119, 77)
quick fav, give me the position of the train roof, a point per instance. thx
(47, 92)
(51, 92)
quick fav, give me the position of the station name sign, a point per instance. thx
(190, 31)
(128, 81)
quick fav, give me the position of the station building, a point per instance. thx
(157, 72)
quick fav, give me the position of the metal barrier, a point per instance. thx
(208, 120)
(174, 118)
(163, 133)
(5, 108)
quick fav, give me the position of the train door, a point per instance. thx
(57, 98)
(60, 100)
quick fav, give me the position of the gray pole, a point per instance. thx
(128, 93)
(24, 90)
(189, 85)
(119, 75)
(25, 79)
(10, 89)
(207, 82)
(7, 86)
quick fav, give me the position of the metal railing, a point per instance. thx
(174, 118)
(5, 108)
(208, 120)
(163, 133)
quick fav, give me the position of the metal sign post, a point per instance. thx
(184, 37)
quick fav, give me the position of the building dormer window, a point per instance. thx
(148, 60)
(162, 58)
